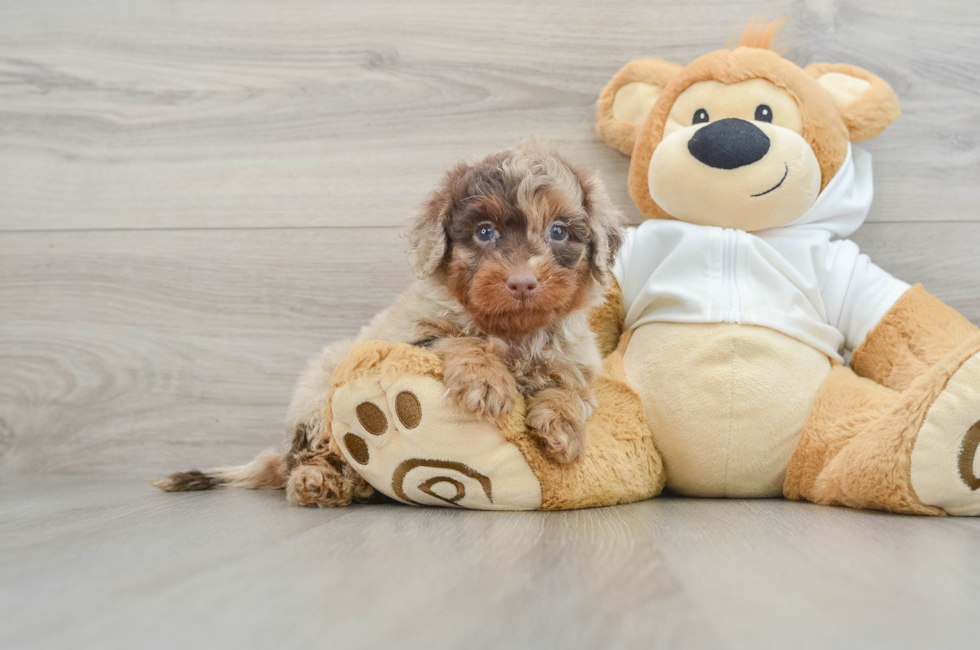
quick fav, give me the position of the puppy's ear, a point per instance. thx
(427, 239)
(606, 225)
(866, 102)
(627, 99)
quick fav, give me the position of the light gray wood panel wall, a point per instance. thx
(120, 349)
(148, 114)
(131, 352)
(194, 197)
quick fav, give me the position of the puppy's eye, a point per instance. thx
(763, 113)
(700, 116)
(485, 233)
(558, 232)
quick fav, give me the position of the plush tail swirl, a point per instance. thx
(264, 471)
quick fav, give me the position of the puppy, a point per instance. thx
(510, 252)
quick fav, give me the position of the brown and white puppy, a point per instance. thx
(510, 253)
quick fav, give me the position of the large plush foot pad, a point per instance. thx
(396, 428)
(945, 463)
(393, 422)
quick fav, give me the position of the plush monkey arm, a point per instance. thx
(916, 333)
(607, 319)
(858, 293)
(896, 332)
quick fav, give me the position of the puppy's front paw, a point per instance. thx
(484, 391)
(557, 418)
(476, 378)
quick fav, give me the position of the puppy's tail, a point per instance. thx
(265, 471)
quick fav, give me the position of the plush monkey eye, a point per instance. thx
(700, 116)
(558, 232)
(763, 113)
(485, 233)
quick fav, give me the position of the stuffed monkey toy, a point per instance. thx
(726, 329)
(741, 293)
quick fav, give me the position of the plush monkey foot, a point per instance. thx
(400, 431)
(393, 422)
(945, 462)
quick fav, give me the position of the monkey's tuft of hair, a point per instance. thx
(192, 481)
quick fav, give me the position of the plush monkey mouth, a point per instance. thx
(776, 186)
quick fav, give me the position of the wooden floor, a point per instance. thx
(196, 196)
(110, 563)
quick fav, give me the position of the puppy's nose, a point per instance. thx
(522, 285)
(729, 143)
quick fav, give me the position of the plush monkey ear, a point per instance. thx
(627, 99)
(427, 237)
(866, 102)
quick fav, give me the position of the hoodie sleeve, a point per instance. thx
(858, 293)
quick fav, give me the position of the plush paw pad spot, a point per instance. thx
(460, 470)
(401, 434)
(357, 448)
(408, 409)
(968, 455)
(372, 418)
(459, 490)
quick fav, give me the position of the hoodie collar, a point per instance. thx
(843, 205)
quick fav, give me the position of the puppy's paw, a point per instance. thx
(361, 490)
(556, 417)
(476, 378)
(486, 394)
(319, 485)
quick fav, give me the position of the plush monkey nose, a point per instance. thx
(729, 143)
(522, 285)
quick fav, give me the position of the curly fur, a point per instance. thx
(494, 343)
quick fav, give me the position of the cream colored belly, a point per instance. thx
(726, 403)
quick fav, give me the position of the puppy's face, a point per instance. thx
(519, 260)
(523, 239)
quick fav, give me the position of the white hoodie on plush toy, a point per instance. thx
(802, 279)
(734, 333)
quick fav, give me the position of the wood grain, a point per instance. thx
(130, 352)
(135, 350)
(109, 563)
(196, 196)
(275, 113)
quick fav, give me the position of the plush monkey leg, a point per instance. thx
(845, 407)
(621, 463)
(392, 424)
(912, 451)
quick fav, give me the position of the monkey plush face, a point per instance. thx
(734, 156)
(739, 138)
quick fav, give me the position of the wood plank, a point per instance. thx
(153, 114)
(139, 352)
(126, 566)
(137, 349)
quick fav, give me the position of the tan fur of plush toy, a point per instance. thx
(827, 127)
(768, 414)
(898, 431)
(736, 408)
(427, 452)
